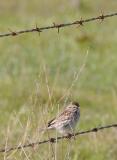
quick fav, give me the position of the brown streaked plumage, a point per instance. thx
(67, 120)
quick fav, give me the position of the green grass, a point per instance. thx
(30, 64)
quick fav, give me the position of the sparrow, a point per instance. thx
(66, 121)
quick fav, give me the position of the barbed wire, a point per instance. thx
(53, 140)
(58, 26)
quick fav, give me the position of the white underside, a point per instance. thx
(67, 128)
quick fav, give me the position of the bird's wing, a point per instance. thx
(51, 122)
(63, 119)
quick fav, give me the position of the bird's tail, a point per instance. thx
(42, 130)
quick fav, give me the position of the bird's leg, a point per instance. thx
(74, 135)
(72, 132)
(70, 135)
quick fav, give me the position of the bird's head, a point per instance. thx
(76, 104)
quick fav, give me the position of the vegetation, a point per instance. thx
(40, 74)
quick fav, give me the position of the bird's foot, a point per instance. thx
(69, 136)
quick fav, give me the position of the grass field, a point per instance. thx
(40, 74)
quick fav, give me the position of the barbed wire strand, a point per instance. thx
(58, 26)
(53, 140)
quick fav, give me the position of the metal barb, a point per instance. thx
(12, 32)
(101, 17)
(53, 140)
(38, 29)
(80, 22)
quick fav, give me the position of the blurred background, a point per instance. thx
(41, 74)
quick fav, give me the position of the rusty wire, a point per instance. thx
(53, 140)
(58, 26)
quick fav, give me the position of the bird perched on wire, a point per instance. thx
(65, 122)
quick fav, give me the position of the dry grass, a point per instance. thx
(40, 75)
